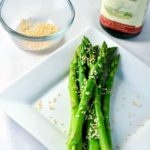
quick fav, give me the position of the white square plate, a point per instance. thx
(46, 88)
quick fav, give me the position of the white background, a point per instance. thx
(14, 62)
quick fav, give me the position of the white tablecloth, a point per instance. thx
(14, 62)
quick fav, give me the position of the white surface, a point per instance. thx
(139, 140)
(14, 62)
(130, 97)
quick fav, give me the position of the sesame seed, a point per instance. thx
(65, 131)
(76, 91)
(87, 93)
(51, 107)
(39, 105)
(81, 108)
(92, 77)
(54, 100)
(141, 125)
(136, 104)
(118, 147)
(99, 86)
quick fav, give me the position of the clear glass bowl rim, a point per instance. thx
(42, 38)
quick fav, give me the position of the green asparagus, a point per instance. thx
(92, 132)
(86, 96)
(107, 95)
(73, 90)
(91, 74)
(103, 140)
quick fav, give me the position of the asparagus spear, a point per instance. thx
(73, 90)
(104, 144)
(92, 132)
(90, 53)
(93, 52)
(82, 60)
(86, 96)
(97, 103)
(86, 57)
(106, 97)
(73, 87)
(103, 140)
(93, 144)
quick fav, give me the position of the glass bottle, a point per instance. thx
(123, 18)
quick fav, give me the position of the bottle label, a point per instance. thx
(123, 15)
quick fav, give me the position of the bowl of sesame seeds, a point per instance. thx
(38, 24)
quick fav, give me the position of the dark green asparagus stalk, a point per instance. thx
(92, 132)
(82, 52)
(85, 51)
(73, 89)
(103, 140)
(111, 52)
(81, 61)
(86, 96)
(107, 95)
(93, 53)
(93, 144)
(80, 115)
(82, 65)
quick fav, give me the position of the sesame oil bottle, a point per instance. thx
(123, 18)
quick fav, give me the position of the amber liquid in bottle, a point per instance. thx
(119, 34)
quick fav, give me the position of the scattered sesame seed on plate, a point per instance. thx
(38, 105)
(51, 107)
(136, 104)
(65, 131)
(54, 100)
(62, 124)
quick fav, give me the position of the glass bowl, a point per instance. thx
(59, 12)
